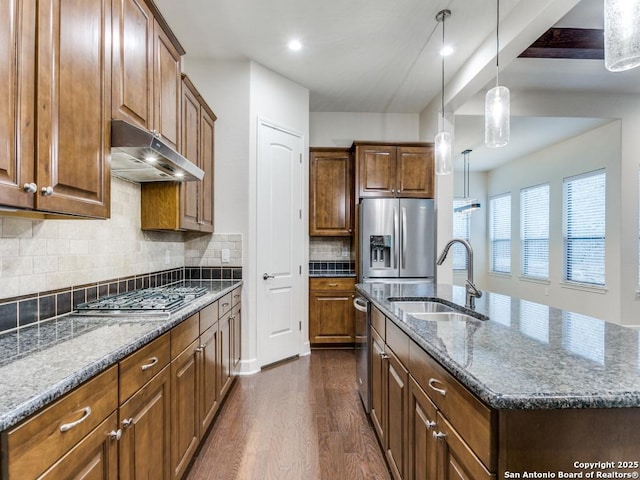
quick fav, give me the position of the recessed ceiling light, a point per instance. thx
(295, 45)
(150, 159)
(179, 174)
(446, 51)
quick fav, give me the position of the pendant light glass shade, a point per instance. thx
(497, 112)
(443, 140)
(444, 165)
(621, 34)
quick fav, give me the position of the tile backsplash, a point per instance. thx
(48, 255)
(330, 249)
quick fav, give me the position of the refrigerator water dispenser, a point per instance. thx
(380, 251)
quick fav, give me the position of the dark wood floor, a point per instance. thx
(301, 420)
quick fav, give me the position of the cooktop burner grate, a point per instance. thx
(163, 299)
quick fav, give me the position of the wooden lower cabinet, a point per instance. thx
(331, 312)
(209, 393)
(422, 444)
(185, 428)
(144, 420)
(225, 337)
(95, 457)
(397, 393)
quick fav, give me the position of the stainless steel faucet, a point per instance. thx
(471, 290)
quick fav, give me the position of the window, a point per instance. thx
(461, 228)
(584, 228)
(500, 233)
(534, 204)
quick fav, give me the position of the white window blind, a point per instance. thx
(534, 205)
(461, 228)
(500, 233)
(584, 225)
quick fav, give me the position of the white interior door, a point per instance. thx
(279, 249)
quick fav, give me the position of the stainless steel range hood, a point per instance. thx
(140, 156)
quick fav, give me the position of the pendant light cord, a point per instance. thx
(497, 43)
(442, 95)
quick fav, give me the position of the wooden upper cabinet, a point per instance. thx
(17, 102)
(146, 70)
(414, 172)
(166, 88)
(59, 163)
(331, 192)
(132, 90)
(186, 205)
(74, 107)
(403, 170)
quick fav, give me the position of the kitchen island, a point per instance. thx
(530, 389)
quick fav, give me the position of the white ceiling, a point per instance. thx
(383, 56)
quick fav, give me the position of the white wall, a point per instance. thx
(337, 129)
(593, 150)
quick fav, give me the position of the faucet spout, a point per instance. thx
(471, 290)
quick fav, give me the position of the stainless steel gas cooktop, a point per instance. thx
(148, 300)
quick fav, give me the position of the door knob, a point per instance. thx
(266, 276)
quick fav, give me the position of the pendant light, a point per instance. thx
(496, 106)
(470, 203)
(443, 139)
(621, 34)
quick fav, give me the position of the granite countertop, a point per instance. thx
(40, 363)
(527, 355)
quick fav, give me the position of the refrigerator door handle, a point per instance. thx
(404, 237)
(396, 232)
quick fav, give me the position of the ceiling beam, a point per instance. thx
(574, 43)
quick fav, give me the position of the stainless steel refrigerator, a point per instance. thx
(397, 238)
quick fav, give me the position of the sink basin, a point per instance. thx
(450, 316)
(412, 307)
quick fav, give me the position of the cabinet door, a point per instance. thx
(331, 317)
(377, 175)
(95, 457)
(208, 377)
(458, 462)
(17, 101)
(415, 172)
(378, 387)
(237, 333)
(422, 461)
(207, 131)
(331, 194)
(226, 346)
(397, 378)
(74, 106)
(190, 147)
(166, 88)
(132, 89)
(145, 443)
(184, 410)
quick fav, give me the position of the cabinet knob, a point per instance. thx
(115, 434)
(127, 422)
(384, 355)
(439, 435)
(30, 187)
(430, 424)
(47, 191)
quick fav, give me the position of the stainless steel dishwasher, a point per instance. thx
(362, 307)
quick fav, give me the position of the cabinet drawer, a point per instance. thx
(470, 417)
(377, 321)
(141, 366)
(236, 296)
(208, 317)
(398, 341)
(182, 335)
(225, 304)
(332, 283)
(39, 442)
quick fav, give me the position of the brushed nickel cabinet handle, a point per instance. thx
(432, 382)
(332, 285)
(225, 304)
(47, 191)
(384, 355)
(430, 424)
(115, 434)
(68, 426)
(439, 435)
(30, 187)
(147, 366)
